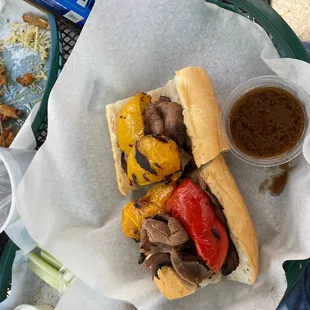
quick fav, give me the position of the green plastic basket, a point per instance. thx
(39, 124)
(259, 12)
(284, 38)
(6, 263)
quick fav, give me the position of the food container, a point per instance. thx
(15, 163)
(265, 81)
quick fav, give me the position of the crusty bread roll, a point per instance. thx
(241, 227)
(192, 89)
(220, 181)
(174, 287)
(171, 285)
(201, 114)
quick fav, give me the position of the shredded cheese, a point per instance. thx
(30, 37)
(39, 75)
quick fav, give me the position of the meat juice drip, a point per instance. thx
(277, 179)
(266, 122)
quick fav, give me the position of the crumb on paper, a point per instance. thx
(35, 21)
(30, 37)
(25, 80)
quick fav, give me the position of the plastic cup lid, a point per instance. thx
(38, 307)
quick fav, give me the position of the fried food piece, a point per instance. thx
(2, 75)
(7, 137)
(152, 203)
(25, 80)
(7, 112)
(35, 21)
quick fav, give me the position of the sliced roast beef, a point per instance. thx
(162, 99)
(197, 179)
(190, 167)
(188, 266)
(185, 158)
(156, 261)
(153, 122)
(169, 232)
(232, 260)
(163, 117)
(164, 242)
(172, 114)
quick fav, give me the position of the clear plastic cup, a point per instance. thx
(13, 164)
(265, 81)
(37, 307)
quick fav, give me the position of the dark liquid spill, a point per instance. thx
(276, 182)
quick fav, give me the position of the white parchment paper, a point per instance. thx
(69, 200)
(79, 296)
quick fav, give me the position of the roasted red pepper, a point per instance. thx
(193, 208)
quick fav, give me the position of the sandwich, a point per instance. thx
(193, 226)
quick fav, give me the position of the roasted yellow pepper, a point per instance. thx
(152, 203)
(153, 159)
(130, 124)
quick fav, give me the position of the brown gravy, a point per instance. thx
(266, 122)
(277, 179)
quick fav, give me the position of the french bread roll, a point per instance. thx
(174, 287)
(192, 89)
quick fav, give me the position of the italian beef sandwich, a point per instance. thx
(192, 225)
